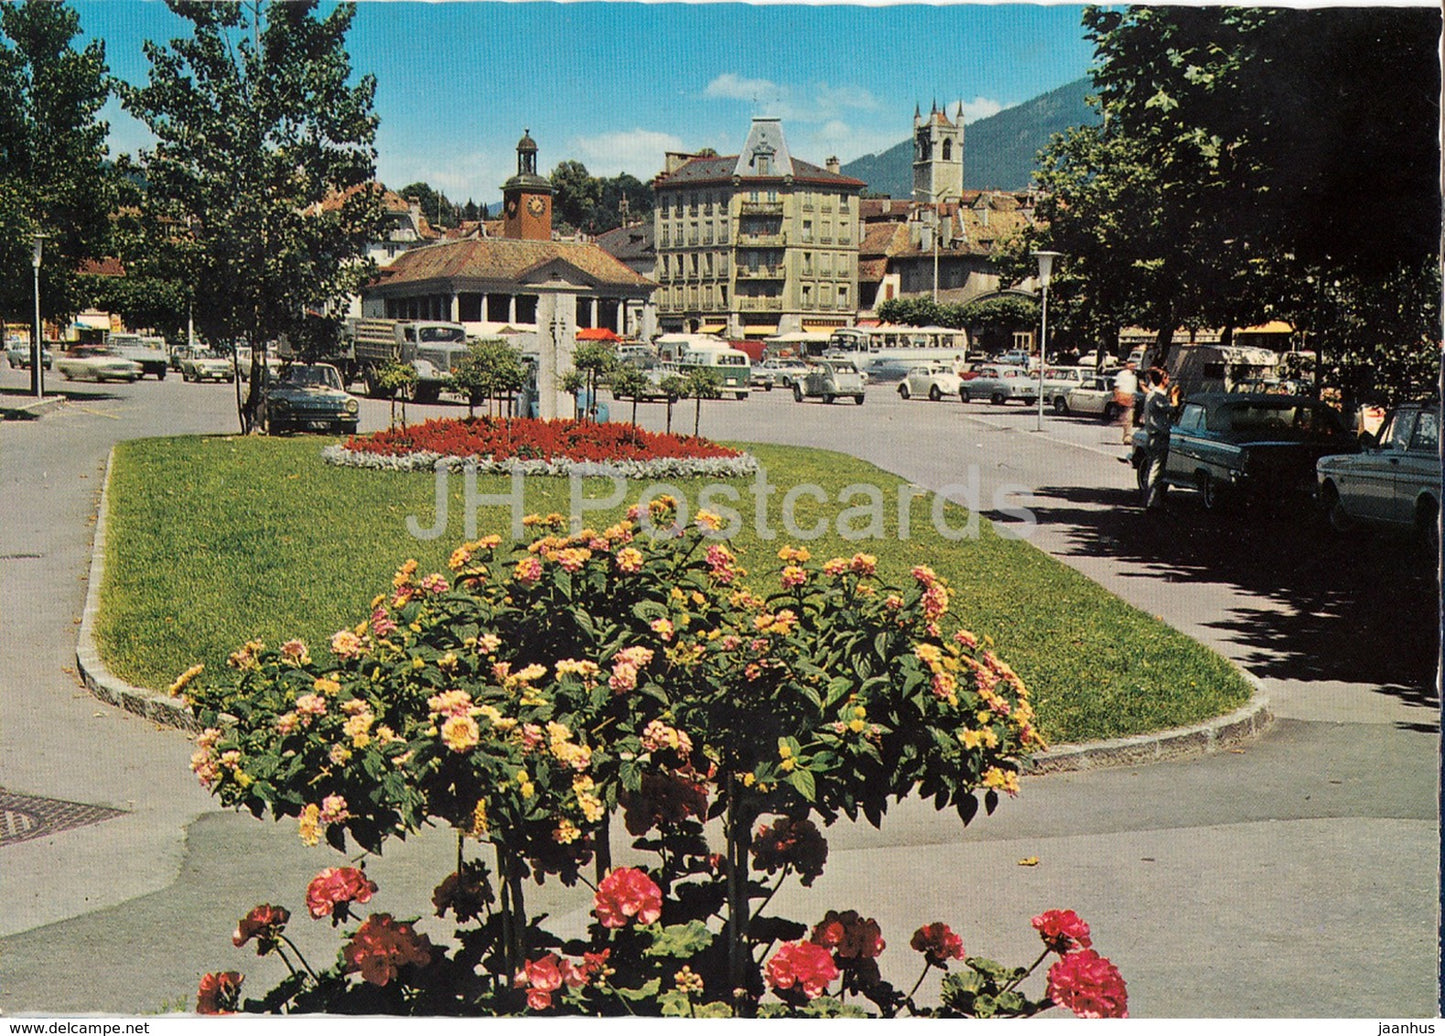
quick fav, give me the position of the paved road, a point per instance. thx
(1297, 878)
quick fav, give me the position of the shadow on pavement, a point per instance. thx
(1359, 609)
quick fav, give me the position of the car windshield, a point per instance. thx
(320, 377)
(1312, 421)
(442, 334)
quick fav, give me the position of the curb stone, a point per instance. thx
(98, 679)
(1243, 724)
(33, 409)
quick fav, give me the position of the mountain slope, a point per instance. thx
(998, 152)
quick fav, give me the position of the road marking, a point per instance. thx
(98, 413)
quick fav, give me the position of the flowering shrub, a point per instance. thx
(524, 699)
(534, 446)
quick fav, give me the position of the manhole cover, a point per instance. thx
(28, 816)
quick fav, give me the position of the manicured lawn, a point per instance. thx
(216, 540)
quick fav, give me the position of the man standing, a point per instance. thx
(1126, 387)
(1158, 416)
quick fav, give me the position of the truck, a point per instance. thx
(147, 350)
(434, 348)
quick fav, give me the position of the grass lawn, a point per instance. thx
(214, 540)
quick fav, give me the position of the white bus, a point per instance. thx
(871, 346)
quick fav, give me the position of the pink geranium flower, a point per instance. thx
(1089, 985)
(624, 894)
(803, 966)
(334, 889)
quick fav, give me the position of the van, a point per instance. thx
(684, 353)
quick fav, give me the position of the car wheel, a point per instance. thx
(858, 399)
(1208, 490)
(828, 397)
(934, 393)
(903, 389)
(797, 393)
(161, 376)
(997, 399)
(768, 387)
(1061, 405)
(1141, 477)
(1335, 513)
(1427, 526)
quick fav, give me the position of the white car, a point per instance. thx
(934, 380)
(1058, 381)
(998, 385)
(207, 366)
(1394, 482)
(1093, 396)
(97, 363)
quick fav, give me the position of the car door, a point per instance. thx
(1373, 486)
(1187, 443)
(1415, 467)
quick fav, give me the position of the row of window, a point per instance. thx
(703, 264)
(707, 203)
(692, 237)
(710, 296)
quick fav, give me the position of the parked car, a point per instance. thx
(310, 396)
(97, 363)
(1092, 396)
(934, 380)
(830, 379)
(1013, 358)
(1059, 380)
(1394, 482)
(1247, 446)
(17, 354)
(785, 370)
(887, 370)
(998, 385)
(763, 377)
(210, 365)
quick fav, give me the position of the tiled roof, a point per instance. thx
(110, 266)
(882, 238)
(871, 271)
(634, 242)
(503, 260)
(390, 200)
(720, 170)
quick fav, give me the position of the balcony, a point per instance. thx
(761, 273)
(769, 239)
(761, 208)
(754, 304)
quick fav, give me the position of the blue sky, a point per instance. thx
(615, 85)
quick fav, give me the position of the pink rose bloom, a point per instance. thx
(1089, 985)
(624, 894)
(805, 966)
(331, 891)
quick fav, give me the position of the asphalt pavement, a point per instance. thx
(1295, 877)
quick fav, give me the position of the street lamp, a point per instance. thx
(37, 347)
(1046, 274)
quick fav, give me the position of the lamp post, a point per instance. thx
(37, 347)
(1046, 274)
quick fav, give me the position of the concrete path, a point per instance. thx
(1266, 882)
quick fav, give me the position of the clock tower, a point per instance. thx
(527, 197)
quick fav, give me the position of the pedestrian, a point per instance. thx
(1126, 387)
(1158, 416)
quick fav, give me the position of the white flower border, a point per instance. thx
(741, 466)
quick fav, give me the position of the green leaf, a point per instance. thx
(647, 990)
(684, 941)
(803, 781)
(675, 1004)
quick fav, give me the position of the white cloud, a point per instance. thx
(478, 175)
(980, 108)
(636, 151)
(734, 87)
(817, 102)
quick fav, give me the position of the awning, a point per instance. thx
(710, 329)
(597, 334)
(759, 329)
(820, 329)
(1273, 327)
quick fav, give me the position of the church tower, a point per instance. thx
(527, 197)
(937, 156)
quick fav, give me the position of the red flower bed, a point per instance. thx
(525, 438)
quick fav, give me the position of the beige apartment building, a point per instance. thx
(756, 243)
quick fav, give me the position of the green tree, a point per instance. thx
(54, 176)
(396, 380)
(702, 383)
(673, 387)
(628, 382)
(575, 193)
(256, 123)
(594, 360)
(491, 370)
(435, 205)
(910, 311)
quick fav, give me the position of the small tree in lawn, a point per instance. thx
(594, 360)
(396, 379)
(573, 383)
(702, 383)
(628, 382)
(673, 388)
(491, 370)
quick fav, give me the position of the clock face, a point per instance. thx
(536, 205)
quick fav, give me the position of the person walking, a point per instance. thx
(1126, 387)
(1158, 416)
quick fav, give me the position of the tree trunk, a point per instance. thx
(697, 415)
